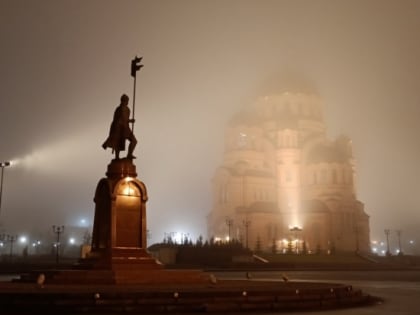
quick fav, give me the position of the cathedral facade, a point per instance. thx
(283, 186)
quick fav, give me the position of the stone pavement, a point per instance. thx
(220, 296)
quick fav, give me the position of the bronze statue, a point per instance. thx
(120, 130)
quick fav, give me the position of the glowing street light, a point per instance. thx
(296, 229)
(399, 242)
(2, 166)
(57, 230)
(11, 239)
(387, 232)
(246, 224)
(36, 245)
(229, 223)
(23, 239)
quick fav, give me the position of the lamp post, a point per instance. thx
(2, 240)
(399, 232)
(387, 232)
(2, 166)
(295, 230)
(36, 245)
(246, 224)
(57, 230)
(229, 223)
(11, 239)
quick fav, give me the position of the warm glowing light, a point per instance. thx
(295, 228)
(128, 189)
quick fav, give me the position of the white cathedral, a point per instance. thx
(284, 185)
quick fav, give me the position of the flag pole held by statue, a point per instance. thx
(135, 66)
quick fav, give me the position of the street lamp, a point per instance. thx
(246, 224)
(295, 230)
(11, 239)
(57, 230)
(387, 232)
(399, 242)
(2, 166)
(36, 245)
(229, 223)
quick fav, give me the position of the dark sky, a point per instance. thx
(64, 65)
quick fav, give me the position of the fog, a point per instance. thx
(65, 64)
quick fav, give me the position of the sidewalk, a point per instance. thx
(222, 296)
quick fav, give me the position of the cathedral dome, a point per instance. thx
(287, 122)
(328, 154)
(283, 106)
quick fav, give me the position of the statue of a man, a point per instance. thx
(120, 130)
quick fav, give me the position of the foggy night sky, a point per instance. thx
(65, 64)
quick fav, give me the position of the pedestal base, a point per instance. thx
(120, 259)
(129, 276)
(125, 266)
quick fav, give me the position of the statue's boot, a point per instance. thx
(131, 150)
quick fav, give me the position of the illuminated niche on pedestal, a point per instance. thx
(120, 215)
(128, 214)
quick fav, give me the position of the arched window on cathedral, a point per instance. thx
(324, 176)
(226, 195)
(266, 196)
(286, 140)
(242, 140)
(223, 194)
(334, 176)
(286, 107)
(288, 176)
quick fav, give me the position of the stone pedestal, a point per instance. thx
(119, 240)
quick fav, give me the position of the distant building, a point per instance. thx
(283, 186)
